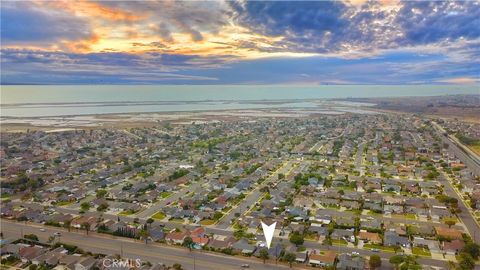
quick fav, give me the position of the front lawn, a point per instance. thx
(373, 213)
(207, 222)
(407, 216)
(165, 194)
(159, 216)
(64, 203)
(340, 242)
(177, 220)
(127, 213)
(384, 248)
(421, 251)
(5, 196)
(411, 216)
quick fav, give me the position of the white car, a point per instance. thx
(42, 230)
(57, 234)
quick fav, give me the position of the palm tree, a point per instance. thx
(264, 254)
(86, 226)
(150, 221)
(188, 242)
(67, 224)
(290, 258)
(144, 234)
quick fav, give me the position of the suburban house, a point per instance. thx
(323, 260)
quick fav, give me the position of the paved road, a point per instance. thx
(154, 253)
(252, 197)
(466, 216)
(359, 158)
(470, 161)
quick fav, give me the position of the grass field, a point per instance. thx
(159, 215)
(126, 213)
(407, 216)
(421, 251)
(64, 203)
(207, 222)
(177, 220)
(339, 242)
(165, 194)
(475, 148)
(372, 246)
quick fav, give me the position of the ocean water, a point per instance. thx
(61, 100)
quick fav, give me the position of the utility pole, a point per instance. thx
(193, 260)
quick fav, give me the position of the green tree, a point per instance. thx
(218, 215)
(451, 265)
(375, 261)
(86, 227)
(101, 193)
(150, 221)
(85, 206)
(177, 266)
(188, 242)
(396, 260)
(290, 258)
(51, 239)
(31, 237)
(472, 249)
(296, 238)
(264, 254)
(67, 224)
(239, 233)
(466, 262)
(450, 222)
(102, 207)
(144, 234)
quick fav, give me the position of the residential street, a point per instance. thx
(252, 197)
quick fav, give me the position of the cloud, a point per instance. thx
(60, 67)
(22, 23)
(189, 17)
(237, 42)
(425, 22)
(460, 80)
(338, 27)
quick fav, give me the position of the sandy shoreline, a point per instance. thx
(142, 119)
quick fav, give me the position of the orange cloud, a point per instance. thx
(95, 10)
(82, 46)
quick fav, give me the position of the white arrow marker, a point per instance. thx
(268, 232)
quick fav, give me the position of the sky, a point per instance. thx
(241, 42)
